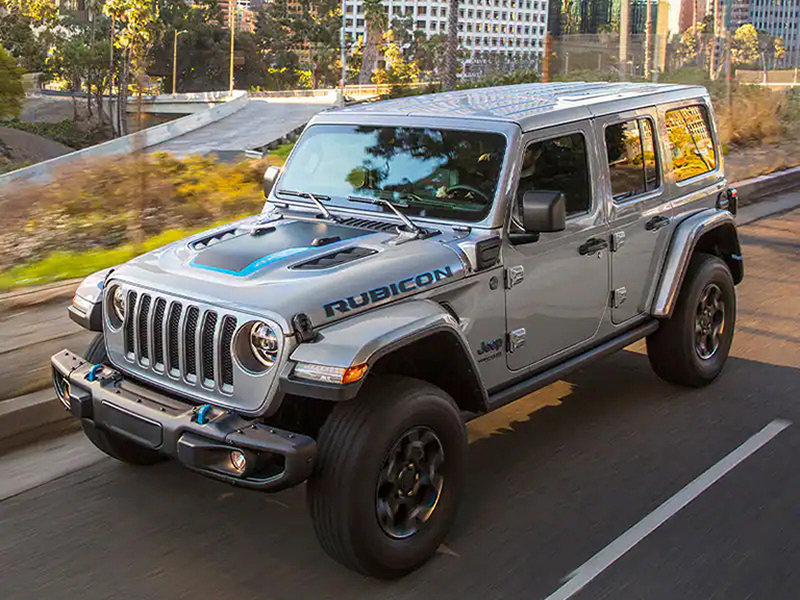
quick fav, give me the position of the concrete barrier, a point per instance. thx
(152, 136)
(754, 189)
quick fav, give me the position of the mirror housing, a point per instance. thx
(270, 177)
(543, 211)
(540, 211)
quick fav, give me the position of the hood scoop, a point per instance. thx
(335, 259)
(210, 240)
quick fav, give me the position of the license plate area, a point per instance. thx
(135, 427)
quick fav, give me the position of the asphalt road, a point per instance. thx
(555, 478)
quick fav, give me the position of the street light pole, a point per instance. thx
(175, 59)
(343, 50)
(233, 37)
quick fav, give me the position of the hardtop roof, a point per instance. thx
(525, 104)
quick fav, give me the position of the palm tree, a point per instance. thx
(377, 22)
(451, 47)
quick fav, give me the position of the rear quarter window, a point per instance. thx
(690, 140)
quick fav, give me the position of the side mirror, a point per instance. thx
(270, 177)
(540, 211)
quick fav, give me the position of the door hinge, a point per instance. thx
(516, 339)
(514, 275)
(617, 240)
(618, 297)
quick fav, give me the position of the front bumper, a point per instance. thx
(276, 459)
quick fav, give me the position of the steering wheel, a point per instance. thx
(468, 188)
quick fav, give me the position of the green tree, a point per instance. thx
(11, 90)
(376, 19)
(134, 26)
(398, 69)
(744, 46)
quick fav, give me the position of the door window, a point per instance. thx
(561, 165)
(632, 161)
(690, 140)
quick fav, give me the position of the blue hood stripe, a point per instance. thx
(255, 265)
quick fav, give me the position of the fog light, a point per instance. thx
(238, 461)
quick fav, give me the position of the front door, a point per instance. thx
(557, 286)
(638, 212)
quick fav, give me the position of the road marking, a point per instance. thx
(579, 578)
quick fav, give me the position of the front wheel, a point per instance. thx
(691, 347)
(110, 443)
(388, 476)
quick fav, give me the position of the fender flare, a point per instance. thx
(366, 338)
(684, 241)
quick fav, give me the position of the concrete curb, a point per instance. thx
(37, 294)
(32, 417)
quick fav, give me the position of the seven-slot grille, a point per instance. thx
(167, 337)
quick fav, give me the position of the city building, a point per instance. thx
(513, 30)
(245, 13)
(779, 18)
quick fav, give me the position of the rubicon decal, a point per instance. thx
(379, 294)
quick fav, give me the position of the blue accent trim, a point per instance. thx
(202, 419)
(255, 265)
(92, 375)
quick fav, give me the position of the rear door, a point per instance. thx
(638, 204)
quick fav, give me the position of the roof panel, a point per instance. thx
(515, 103)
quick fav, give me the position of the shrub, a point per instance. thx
(126, 200)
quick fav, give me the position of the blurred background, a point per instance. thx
(128, 124)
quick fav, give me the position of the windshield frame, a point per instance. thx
(494, 217)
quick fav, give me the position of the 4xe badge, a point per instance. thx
(491, 349)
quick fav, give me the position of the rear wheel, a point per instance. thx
(112, 444)
(691, 347)
(388, 476)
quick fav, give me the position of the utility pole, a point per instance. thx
(175, 59)
(343, 59)
(624, 29)
(713, 59)
(233, 38)
(648, 41)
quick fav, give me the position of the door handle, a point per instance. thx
(656, 223)
(591, 246)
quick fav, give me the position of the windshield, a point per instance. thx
(436, 173)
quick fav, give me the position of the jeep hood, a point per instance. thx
(288, 266)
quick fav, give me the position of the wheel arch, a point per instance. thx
(710, 231)
(417, 338)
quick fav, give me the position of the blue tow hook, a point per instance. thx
(202, 414)
(92, 375)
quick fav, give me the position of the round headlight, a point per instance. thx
(264, 343)
(118, 303)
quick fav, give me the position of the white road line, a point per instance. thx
(608, 555)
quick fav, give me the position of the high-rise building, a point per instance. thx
(244, 15)
(512, 29)
(738, 13)
(779, 18)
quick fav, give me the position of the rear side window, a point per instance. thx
(632, 161)
(559, 164)
(690, 140)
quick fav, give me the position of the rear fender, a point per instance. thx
(712, 231)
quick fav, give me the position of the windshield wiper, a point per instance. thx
(316, 199)
(391, 206)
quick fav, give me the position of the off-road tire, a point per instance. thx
(353, 445)
(110, 443)
(671, 349)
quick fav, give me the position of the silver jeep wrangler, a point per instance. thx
(418, 262)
